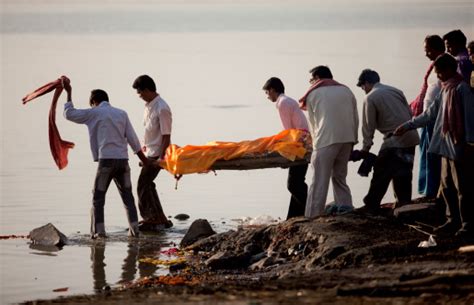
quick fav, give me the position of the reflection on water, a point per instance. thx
(98, 267)
(44, 250)
(131, 268)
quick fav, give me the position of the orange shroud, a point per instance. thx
(59, 147)
(198, 159)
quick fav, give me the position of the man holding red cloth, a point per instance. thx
(110, 131)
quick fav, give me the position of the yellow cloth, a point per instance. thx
(198, 159)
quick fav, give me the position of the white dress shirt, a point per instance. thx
(109, 130)
(157, 121)
(292, 117)
(434, 88)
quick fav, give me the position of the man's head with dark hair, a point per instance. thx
(145, 87)
(434, 46)
(144, 82)
(446, 67)
(367, 79)
(320, 72)
(274, 83)
(470, 49)
(455, 42)
(273, 88)
(98, 96)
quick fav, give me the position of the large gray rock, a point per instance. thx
(48, 235)
(199, 229)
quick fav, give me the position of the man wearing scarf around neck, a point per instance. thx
(453, 139)
(334, 120)
(430, 164)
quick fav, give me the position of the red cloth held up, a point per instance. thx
(416, 105)
(59, 147)
(323, 82)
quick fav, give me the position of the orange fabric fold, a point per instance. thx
(59, 147)
(199, 159)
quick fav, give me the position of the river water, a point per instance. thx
(210, 60)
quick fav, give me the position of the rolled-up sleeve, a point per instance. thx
(80, 116)
(369, 122)
(131, 136)
(165, 121)
(285, 114)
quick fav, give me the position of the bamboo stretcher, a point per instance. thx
(268, 160)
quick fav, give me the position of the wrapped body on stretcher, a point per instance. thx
(288, 148)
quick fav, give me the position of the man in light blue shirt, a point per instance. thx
(110, 131)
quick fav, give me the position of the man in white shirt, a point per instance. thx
(292, 117)
(157, 120)
(109, 132)
(333, 117)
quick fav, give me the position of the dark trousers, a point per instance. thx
(392, 165)
(148, 200)
(457, 189)
(298, 189)
(118, 171)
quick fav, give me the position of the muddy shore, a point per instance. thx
(346, 259)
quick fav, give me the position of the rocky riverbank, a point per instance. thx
(346, 259)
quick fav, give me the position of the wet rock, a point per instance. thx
(48, 235)
(181, 216)
(199, 229)
(228, 260)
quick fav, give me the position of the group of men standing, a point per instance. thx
(334, 122)
(444, 110)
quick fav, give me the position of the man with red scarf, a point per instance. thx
(453, 139)
(430, 164)
(333, 118)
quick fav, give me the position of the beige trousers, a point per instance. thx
(329, 162)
